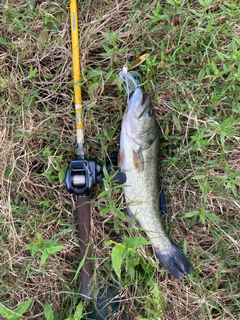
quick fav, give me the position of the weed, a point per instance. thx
(192, 75)
(47, 247)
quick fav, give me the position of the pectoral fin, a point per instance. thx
(163, 203)
(138, 160)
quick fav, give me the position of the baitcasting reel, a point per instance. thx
(82, 175)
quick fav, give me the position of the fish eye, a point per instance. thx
(150, 112)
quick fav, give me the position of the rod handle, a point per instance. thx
(84, 228)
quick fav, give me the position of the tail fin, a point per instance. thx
(175, 261)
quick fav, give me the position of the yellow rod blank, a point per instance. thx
(76, 73)
(75, 52)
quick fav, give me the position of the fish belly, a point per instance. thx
(142, 195)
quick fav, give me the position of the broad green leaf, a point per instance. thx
(134, 242)
(48, 311)
(44, 257)
(130, 267)
(156, 292)
(199, 177)
(51, 243)
(117, 259)
(191, 214)
(103, 194)
(48, 251)
(39, 236)
(203, 217)
(192, 221)
(55, 249)
(222, 139)
(33, 247)
(23, 307)
(212, 216)
(119, 213)
(61, 175)
(3, 41)
(185, 246)
(104, 211)
(116, 226)
(105, 172)
(6, 313)
(109, 242)
(79, 311)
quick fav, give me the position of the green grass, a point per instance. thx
(193, 76)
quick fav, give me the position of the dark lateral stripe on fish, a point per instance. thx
(175, 261)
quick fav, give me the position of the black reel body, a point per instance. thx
(82, 175)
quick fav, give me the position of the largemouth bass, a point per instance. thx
(139, 160)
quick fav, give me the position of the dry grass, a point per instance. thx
(37, 141)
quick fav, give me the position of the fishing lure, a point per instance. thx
(131, 79)
(139, 60)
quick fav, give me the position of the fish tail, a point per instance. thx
(175, 261)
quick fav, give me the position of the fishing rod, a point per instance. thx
(82, 174)
(78, 178)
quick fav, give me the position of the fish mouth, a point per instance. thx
(144, 105)
(145, 99)
(138, 103)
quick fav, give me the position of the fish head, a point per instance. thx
(140, 121)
